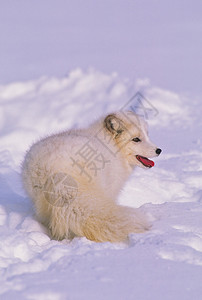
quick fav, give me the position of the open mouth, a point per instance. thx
(145, 161)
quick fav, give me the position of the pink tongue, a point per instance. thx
(147, 162)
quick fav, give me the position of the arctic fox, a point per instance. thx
(74, 178)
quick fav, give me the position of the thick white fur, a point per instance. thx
(94, 212)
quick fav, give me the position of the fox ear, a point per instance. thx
(113, 124)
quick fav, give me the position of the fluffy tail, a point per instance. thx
(115, 224)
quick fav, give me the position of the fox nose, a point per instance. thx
(158, 151)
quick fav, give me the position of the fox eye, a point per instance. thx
(136, 140)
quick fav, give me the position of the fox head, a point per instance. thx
(130, 134)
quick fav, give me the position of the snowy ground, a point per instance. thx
(165, 263)
(55, 43)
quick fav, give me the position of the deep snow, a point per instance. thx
(165, 263)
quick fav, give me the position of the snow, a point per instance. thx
(164, 263)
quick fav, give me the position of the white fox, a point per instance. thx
(74, 178)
